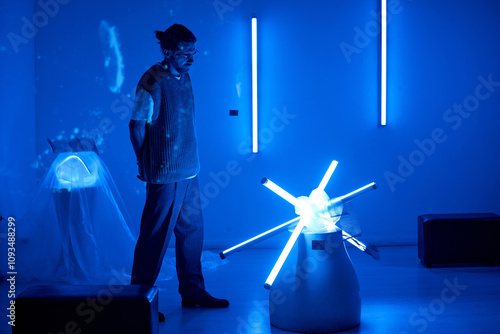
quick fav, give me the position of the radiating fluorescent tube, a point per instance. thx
(280, 192)
(383, 68)
(353, 194)
(355, 242)
(328, 175)
(261, 237)
(284, 254)
(254, 86)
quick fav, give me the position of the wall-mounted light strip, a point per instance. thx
(383, 68)
(255, 134)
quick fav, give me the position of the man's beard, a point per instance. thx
(185, 68)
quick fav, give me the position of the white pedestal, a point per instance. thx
(317, 289)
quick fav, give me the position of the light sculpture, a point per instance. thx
(72, 172)
(317, 213)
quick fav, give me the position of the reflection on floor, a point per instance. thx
(398, 295)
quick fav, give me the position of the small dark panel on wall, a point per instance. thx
(233, 112)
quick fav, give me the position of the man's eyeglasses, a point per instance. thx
(186, 55)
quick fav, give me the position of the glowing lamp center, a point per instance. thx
(316, 214)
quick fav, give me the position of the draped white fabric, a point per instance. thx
(77, 229)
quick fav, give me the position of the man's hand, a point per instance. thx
(141, 172)
(137, 135)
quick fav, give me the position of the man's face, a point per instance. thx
(182, 59)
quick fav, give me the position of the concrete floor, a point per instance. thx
(398, 295)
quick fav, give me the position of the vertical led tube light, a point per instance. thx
(254, 86)
(383, 68)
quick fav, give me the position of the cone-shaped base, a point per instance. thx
(317, 289)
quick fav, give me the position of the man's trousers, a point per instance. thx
(171, 207)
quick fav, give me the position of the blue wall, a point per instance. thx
(318, 101)
(17, 96)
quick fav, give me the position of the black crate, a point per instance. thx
(92, 309)
(446, 239)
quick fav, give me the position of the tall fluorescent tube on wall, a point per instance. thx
(383, 68)
(254, 86)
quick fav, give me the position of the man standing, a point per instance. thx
(162, 132)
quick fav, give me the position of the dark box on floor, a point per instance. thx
(472, 238)
(83, 309)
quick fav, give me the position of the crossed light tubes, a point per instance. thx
(318, 213)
